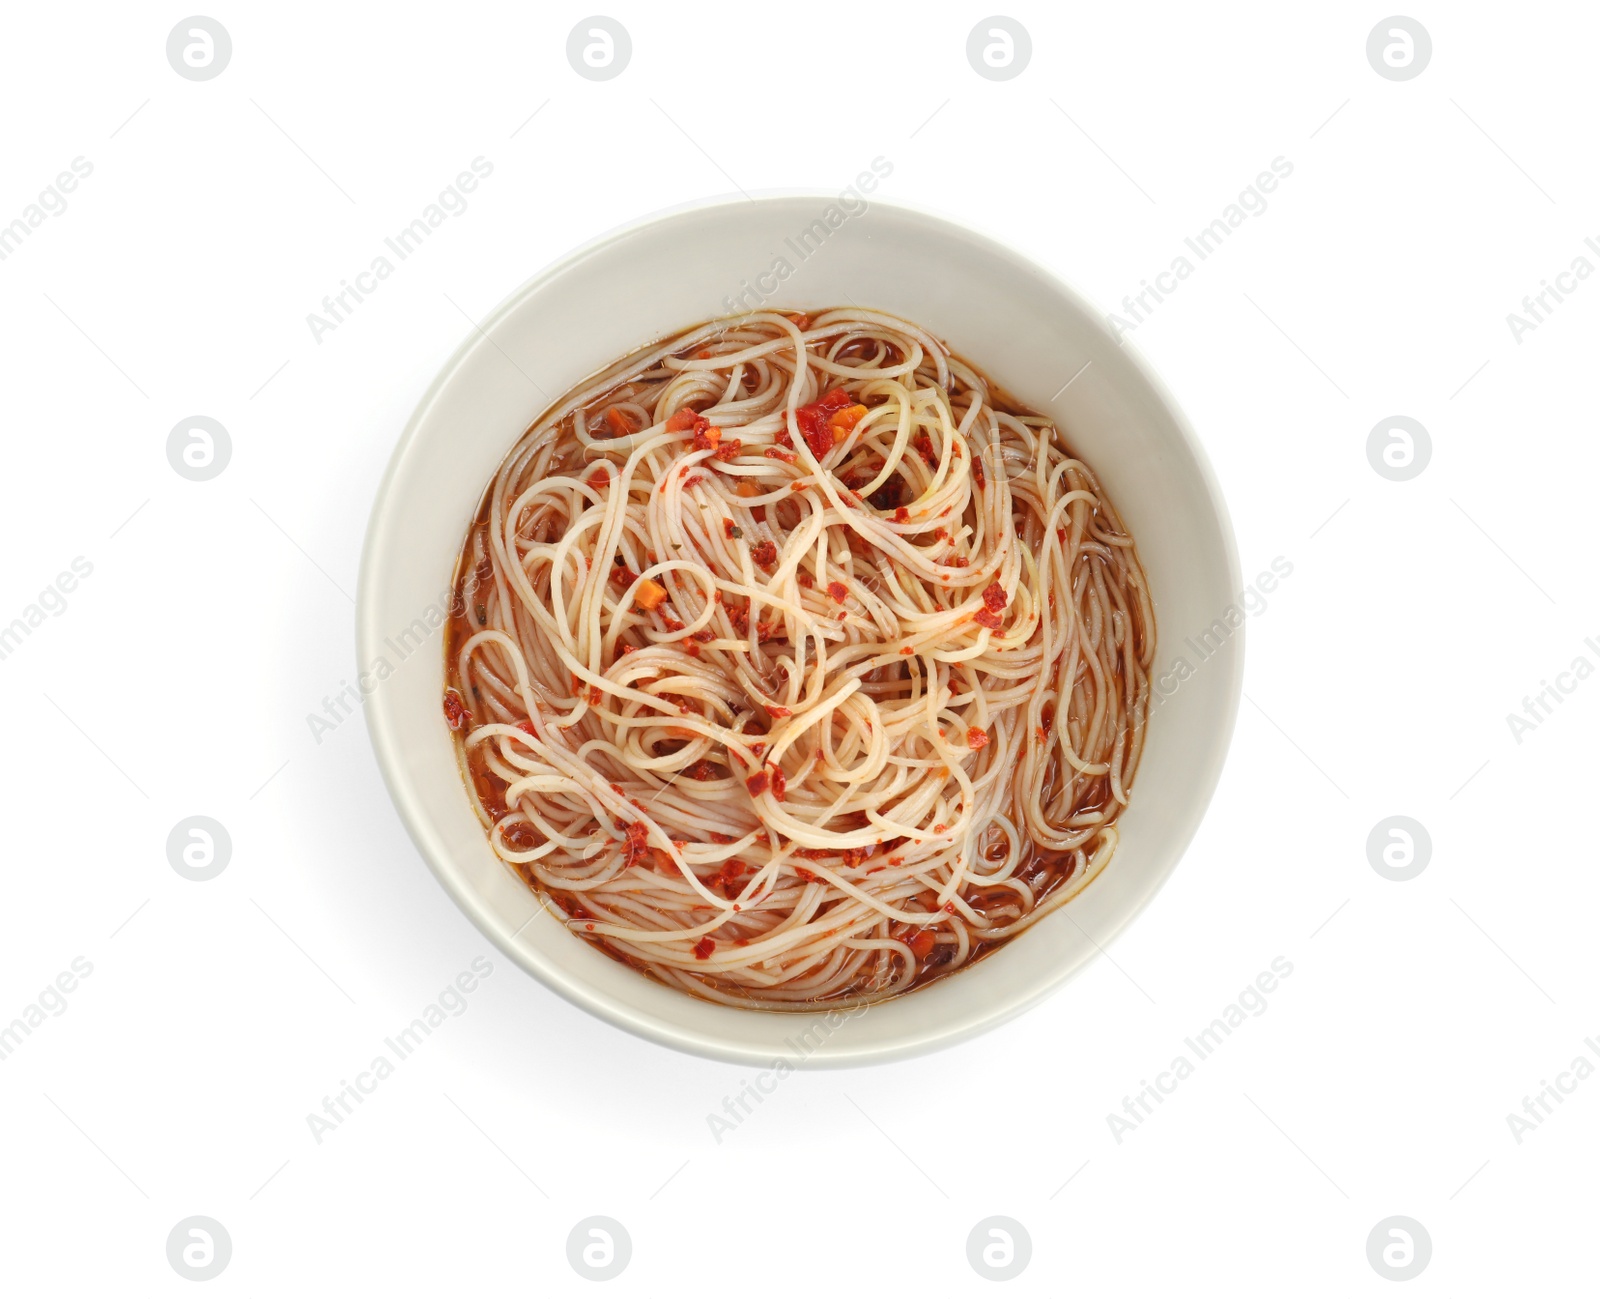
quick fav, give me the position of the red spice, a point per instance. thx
(813, 420)
(976, 739)
(726, 880)
(902, 515)
(728, 451)
(706, 437)
(758, 748)
(704, 948)
(594, 695)
(977, 473)
(780, 785)
(691, 647)
(921, 943)
(805, 581)
(778, 453)
(598, 479)
(623, 577)
(634, 846)
(987, 618)
(525, 725)
(730, 529)
(764, 553)
(619, 422)
(455, 712)
(682, 419)
(837, 591)
(994, 596)
(672, 624)
(758, 783)
(906, 649)
(703, 635)
(778, 710)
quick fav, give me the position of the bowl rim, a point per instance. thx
(424, 836)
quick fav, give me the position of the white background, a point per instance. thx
(179, 678)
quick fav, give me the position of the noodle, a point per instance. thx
(793, 664)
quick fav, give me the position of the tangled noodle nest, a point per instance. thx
(794, 666)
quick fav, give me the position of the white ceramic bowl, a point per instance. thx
(1015, 321)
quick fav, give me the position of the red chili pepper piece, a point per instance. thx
(683, 419)
(812, 420)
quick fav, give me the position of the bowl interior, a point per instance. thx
(1018, 324)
